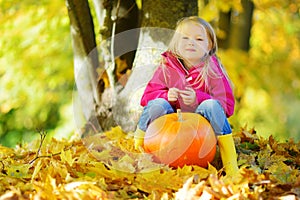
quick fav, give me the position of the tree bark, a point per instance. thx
(240, 30)
(85, 61)
(121, 106)
(158, 23)
(116, 51)
(224, 26)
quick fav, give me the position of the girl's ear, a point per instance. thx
(212, 51)
(213, 47)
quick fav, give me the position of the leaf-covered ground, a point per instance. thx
(105, 166)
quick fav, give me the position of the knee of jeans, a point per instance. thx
(209, 104)
(160, 101)
(159, 107)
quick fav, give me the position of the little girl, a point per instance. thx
(192, 78)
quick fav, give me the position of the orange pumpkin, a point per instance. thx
(181, 139)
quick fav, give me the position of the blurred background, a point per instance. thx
(37, 75)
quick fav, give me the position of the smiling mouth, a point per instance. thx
(192, 50)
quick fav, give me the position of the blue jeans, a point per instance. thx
(210, 109)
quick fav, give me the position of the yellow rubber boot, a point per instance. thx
(228, 154)
(139, 138)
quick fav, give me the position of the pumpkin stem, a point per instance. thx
(179, 115)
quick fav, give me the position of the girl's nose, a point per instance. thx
(191, 42)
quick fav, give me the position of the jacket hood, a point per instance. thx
(172, 61)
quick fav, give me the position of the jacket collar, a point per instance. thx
(175, 62)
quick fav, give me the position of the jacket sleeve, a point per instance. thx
(222, 92)
(220, 89)
(156, 87)
(202, 96)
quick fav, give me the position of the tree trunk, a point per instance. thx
(118, 21)
(158, 25)
(120, 106)
(85, 61)
(235, 27)
(224, 26)
(115, 17)
(240, 30)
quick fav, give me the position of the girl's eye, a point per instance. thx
(199, 39)
(185, 38)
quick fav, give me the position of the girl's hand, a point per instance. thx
(173, 94)
(188, 96)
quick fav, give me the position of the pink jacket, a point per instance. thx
(174, 74)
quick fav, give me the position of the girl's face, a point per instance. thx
(193, 43)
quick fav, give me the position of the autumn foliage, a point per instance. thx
(106, 166)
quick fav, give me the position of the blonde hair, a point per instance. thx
(208, 69)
